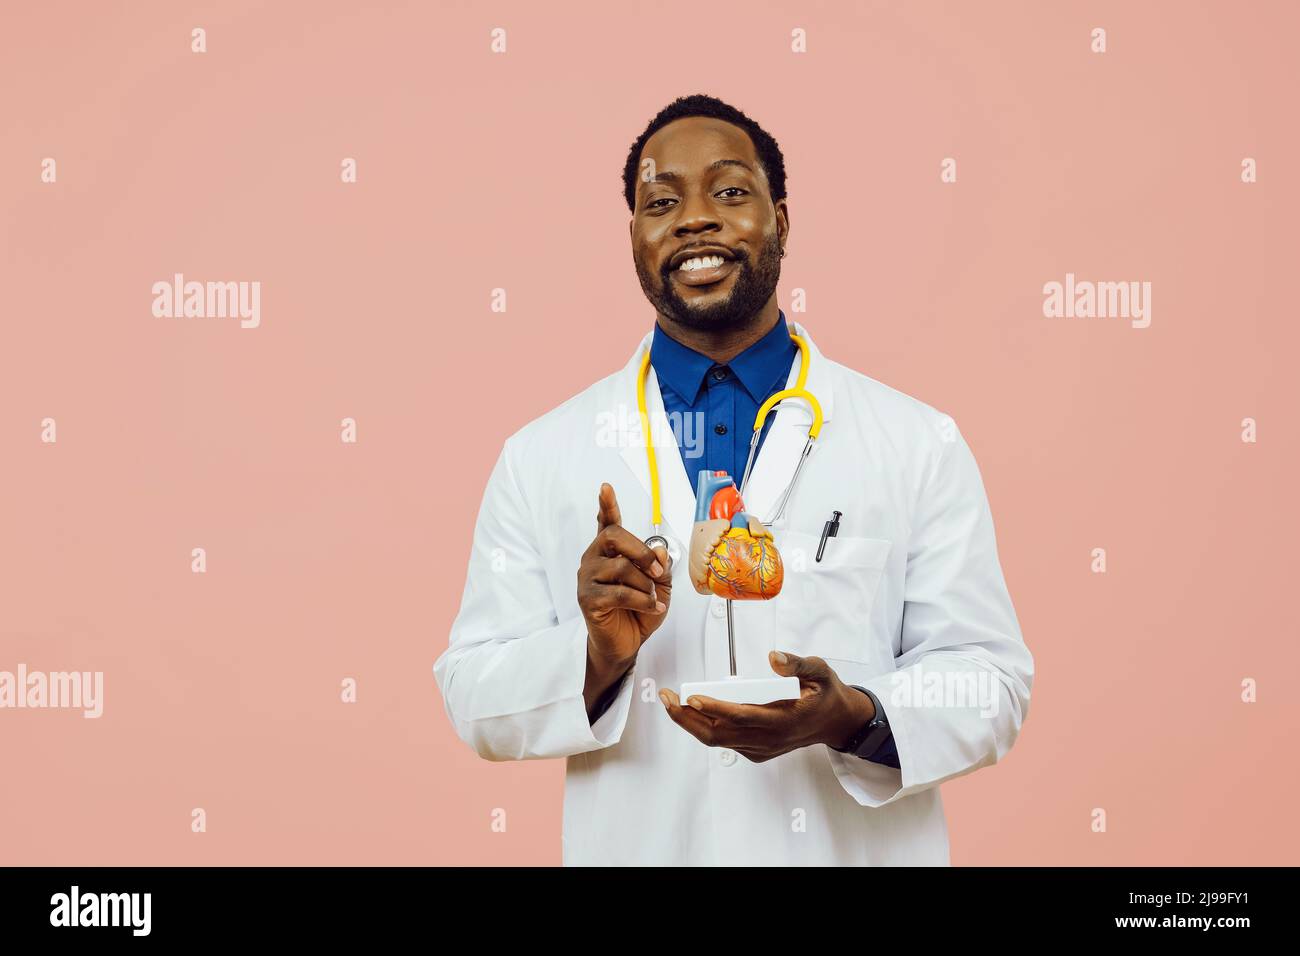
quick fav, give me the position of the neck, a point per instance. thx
(725, 344)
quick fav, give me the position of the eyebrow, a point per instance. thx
(716, 164)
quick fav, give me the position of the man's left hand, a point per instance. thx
(828, 711)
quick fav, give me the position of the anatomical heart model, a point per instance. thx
(731, 555)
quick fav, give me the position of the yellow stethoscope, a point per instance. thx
(798, 392)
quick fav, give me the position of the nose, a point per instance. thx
(697, 216)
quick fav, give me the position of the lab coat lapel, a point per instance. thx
(676, 491)
(779, 455)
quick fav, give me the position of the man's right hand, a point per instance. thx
(624, 590)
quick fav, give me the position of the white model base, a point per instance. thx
(744, 690)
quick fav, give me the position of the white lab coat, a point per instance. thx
(908, 595)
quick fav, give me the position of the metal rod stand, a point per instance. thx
(731, 638)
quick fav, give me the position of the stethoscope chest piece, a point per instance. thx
(669, 544)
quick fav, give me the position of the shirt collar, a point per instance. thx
(763, 366)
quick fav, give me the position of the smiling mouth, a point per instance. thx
(703, 270)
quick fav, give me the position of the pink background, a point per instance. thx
(478, 171)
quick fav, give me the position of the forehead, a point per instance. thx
(690, 145)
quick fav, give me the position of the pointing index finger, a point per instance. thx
(608, 513)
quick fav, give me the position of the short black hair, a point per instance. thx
(700, 104)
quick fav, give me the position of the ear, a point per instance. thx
(782, 222)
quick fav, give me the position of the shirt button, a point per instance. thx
(719, 374)
(720, 429)
(719, 609)
(728, 757)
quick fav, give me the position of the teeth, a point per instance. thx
(701, 262)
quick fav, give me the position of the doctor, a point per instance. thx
(572, 641)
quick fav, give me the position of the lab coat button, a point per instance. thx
(728, 757)
(719, 609)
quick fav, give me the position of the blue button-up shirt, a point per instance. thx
(711, 409)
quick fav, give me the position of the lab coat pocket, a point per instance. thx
(824, 608)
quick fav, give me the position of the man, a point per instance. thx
(898, 625)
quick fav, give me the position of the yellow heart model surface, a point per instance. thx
(731, 554)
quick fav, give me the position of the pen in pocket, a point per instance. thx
(830, 530)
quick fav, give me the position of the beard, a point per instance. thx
(753, 287)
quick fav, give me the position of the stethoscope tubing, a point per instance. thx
(799, 392)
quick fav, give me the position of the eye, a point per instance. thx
(655, 203)
(736, 190)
